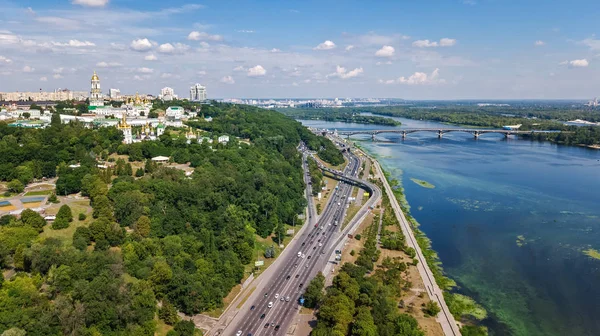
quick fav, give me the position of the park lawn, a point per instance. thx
(39, 192)
(66, 235)
(350, 213)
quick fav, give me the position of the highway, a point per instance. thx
(316, 245)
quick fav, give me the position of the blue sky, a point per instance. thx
(454, 49)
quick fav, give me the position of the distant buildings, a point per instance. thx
(167, 94)
(174, 112)
(96, 98)
(592, 103)
(114, 94)
(56, 95)
(198, 93)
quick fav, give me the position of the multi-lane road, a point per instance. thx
(272, 307)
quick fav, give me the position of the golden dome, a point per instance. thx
(95, 77)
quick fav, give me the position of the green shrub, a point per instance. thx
(82, 216)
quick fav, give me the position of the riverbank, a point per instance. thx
(459, 307)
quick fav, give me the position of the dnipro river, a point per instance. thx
(510, 220)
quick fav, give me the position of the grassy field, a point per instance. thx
(66, 235)
(162, 328)
(39, 192)
(246, 298)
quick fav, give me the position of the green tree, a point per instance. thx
(65, 213)
(53, 198)
(363, 323)
(139, 172)
(19, 258)
(82, 216)
(33, 219)
(168, 313)
(26, 115)
(82, 238)
(431, 308)
(314, 291)
(185, 328)
(15, 186)
(142, 226)
(59, 224)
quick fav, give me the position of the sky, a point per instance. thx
(434, 49)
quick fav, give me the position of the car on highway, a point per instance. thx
(266, 294)
(300, 286)
(303, 243)
(252, 308)
(287, 299)
(320, 244)
(314, 247)
(306, 258)
(266, 325)
(282, 298)
(276, 296)
(270, 305)
(272, 324)
(239, 333)
(262, 316)
(297, 275)
(277, 327)
(286, 278)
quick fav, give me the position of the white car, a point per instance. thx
(270, 305)
(239, 333)
(320, 244)
(276, 296)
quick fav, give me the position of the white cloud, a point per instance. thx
(470, 2)
(257, 71)
(90, 3)
(591, 43)
(275, 50)
(150, 57)
(239, 68)
(227, 80)
(108, 64)
(27, 68)
(201, 73)
(203, 36)
(5, 60)
(342, 73)
(141, 44)
(386, 63)
(177, 48)
(57, 76)
(418, 78)
(327, 45)
(141, 78)
(43, 79)
(245, 31)
(580, 63)
(75, 44)
(385, 51)
(350, 47)
(7, 37)
(445, 42)
(204, 44)
(539, 43)
(145, 70)
(30, 10)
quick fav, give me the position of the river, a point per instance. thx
(510, 219)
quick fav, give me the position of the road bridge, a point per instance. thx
(476, 132)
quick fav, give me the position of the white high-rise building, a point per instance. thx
(198, 93)
(96, 98)
(114, 94)
(167, 94)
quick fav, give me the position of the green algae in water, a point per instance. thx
(422, 183)
(461, 305)
(521, 240)
(594, 254)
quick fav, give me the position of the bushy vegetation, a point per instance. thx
(190, 237)
(330, 114)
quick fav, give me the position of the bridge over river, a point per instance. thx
(441, 131)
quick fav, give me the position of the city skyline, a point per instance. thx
(454, 50)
